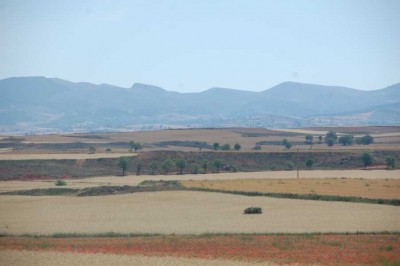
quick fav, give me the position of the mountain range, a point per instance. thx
(42, 105)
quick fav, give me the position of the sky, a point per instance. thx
(190, 45)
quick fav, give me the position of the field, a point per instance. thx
(373, 189)
(129, 220)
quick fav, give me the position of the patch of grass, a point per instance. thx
(43, 192)
(44, 245)
(387, 248)
(60, 182)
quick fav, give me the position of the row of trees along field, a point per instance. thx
(181, 166)
(331, 138)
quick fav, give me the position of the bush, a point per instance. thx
(365, 140)
(61, 183)
(257, 148)
(252, 210)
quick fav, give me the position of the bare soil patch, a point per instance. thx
(208, 250)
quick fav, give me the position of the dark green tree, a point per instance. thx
(309, 139)
(286, 143)
(390, 162)
(366, 159)
(218, 163)
(204, 165)
(180, 165)
(153, 167)
(92, 149)
(166, 166)
(195, 168)
(216, 146)
(365, 140)
(226, 147)
(331, 138)
(309, 163)
(123, 163)
(237, 146)
(346, 140)
(139, 167)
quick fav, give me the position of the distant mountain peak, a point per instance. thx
(147, 87)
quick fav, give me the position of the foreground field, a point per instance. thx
(365, 188)
(197, 212)
(204, 250)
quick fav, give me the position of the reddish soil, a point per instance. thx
(335, 249)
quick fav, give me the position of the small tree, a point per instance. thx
(237, 146)
(204, 165)
(153, 167)
(365, 140)
(195, 168)
(309, 139)
(138, 168)
(309, 163)
(131, 145)
(366, 159)
(166, 166)
(286, 143)
(92, 149)
(218, 164)
(123, 163)
(137, 146)
(330, 138)
(390, 162)
(180, 165)
(346, 140)
(216, 146)
(320, 138)
(226, 147)
(257, 148)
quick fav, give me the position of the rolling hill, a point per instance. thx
(39, 104)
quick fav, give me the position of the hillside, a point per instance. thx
(39, 104)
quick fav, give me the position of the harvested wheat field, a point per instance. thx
(365, 188)
(197, 212)
(43, 258)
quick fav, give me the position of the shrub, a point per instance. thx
(226, 147)
(252, 210)
(365, 140)
(289, 166)
(257, 148)
(61, 183)
(108, 150)
(272, 167)
(286, 143)
(237, 146)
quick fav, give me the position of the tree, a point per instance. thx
(135, 145)
(390, 162)
(166, 166)
(257, 148)
(320, 138)
(138, 168)
(195, 168)
(226, 147)
(218, 164)
(204, 165)
(92, 149)
(309, 163)
(216, 146)
(365, 140)
(153, 167)
(366, 159)
(123, 163)
(286, 143)
(346, 140)
(331, 138)
(237, 146)
(180, 165)
(309, 139)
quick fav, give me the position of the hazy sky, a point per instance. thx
(193, 45)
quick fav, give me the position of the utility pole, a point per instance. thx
(297, 159)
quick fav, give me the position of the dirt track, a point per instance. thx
(184, 212)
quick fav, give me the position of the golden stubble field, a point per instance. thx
(187, 212)
(365, 188)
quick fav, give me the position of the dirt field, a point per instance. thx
(372, 188)
(197, 212)
(43, 258)
(61, 156)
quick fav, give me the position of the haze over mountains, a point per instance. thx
(41, 105)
